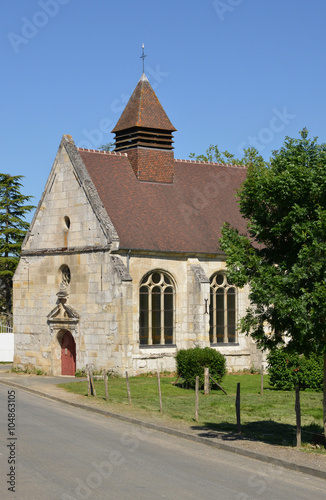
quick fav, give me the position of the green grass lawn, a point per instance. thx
(269, 417)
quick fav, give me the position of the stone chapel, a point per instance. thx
(122, 266)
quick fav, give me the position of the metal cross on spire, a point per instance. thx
(143, 57)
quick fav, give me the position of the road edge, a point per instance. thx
(177, 433)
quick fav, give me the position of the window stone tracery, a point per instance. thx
(222, 310)
(156, 310)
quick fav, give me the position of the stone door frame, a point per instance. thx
(57, 331)
(62, 318)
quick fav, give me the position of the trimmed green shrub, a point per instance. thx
(191, 363)
(287, 370)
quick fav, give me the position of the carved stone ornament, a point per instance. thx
(63, 315)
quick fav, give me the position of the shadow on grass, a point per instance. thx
(266, 431)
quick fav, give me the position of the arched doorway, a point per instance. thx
(68, 354)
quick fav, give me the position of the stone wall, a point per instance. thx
(99, 298)
(107, 304)
(65, 218)
(191, 279)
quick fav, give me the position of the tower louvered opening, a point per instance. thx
(148, 138)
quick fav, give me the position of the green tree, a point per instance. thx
(13, 229)
(213, 154)
(283, 256)
(109, 146)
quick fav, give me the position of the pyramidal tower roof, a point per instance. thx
(144, 133)
(144, 110)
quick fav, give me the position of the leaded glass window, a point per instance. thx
(222, 310)
(156, 310)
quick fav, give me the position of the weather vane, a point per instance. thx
(143, 57)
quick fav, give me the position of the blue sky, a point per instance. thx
(227, 72)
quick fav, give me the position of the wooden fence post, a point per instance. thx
(298, 415)
(262, 380)
(197, 398)
(237, 406)
(206, 381)
(218, 385)
(90, 382)
(159, 390)
(105, 378)
(128, 388)
(89, 390)
(93, 391)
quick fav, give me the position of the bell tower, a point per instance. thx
(144, 132)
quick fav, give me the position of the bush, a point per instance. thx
(191, 363)
(287, 370)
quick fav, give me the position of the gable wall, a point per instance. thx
(64, 196)
(96, 290)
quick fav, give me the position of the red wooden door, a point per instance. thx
(68, 355)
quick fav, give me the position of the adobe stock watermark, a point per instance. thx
(266, 135)
(97, 136)
(99, 472)
(259, 482)
(30, 27)
(216, 182)
(225, 7)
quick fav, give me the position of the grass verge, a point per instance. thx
(269, 417)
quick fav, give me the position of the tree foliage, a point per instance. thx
(13, 229)
(287, 370)
(283, 256)
(109, 146)
(213, 154)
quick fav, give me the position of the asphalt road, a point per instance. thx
(64, 453)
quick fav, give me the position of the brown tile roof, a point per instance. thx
(185, 216)
(144, 110)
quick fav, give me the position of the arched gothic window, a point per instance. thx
(156, 310)
(222, 310)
